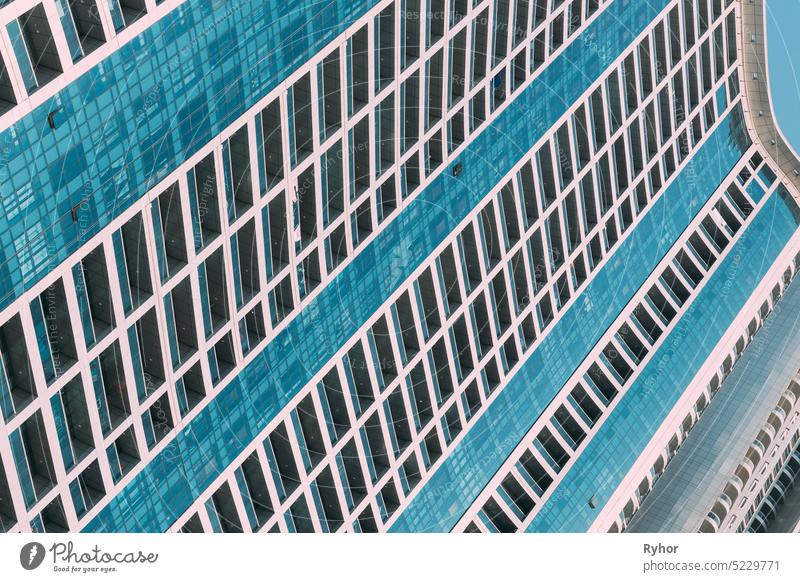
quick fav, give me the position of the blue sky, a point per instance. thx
(783, 50)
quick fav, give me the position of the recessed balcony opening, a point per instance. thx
(386, 199)
(547, 179)
(191, 388)
(647, 324)
(135, 261)
(300, 516)
(330, 82)
(552, 451)
(398, 420)
(518, 496)
(17, 386)
(452, 421)
(277, 234)
(300, 100)
(510, 352)
(499, 294)
(337, 245)
(126, 12)
(534, 473)
(408, 326)
(255, 330)
(359, 369)
(615, 116)
(458, 62)
(258, 492)
(222, 358)
(412, 472)
(508, 204)
(557, 34)
(435, 153)
(123, 455)
(450, 279)
(568, 427)
(606, 388)
(385, 43)
(84, 20)
(545, 311)
(248, 280)
(385, 134)
(215, 291)
(54, 331)
(285, 463)
(391, 501)
(36, 455)
(110, 388)
(661, 306)
(433, 446)
(350, 458)
(462, 343)
(409, 115)
(362, 225)
(455, 131)
(358, 53)
(528, 331)
(281, 300)
(94, 295)
(477, 110)
(8, 517)
(203, 186)
(359, 158)
(7, 98)
(585, 405)
(307, 206)
(480, 316)
(387, 365)
(428, 301)
(312, 441)
(53, 517)
(564, 154)
(39, 46)
(238, 180)
(88, 489)
(472, 399)
(688, 267)
(145, 344)
(500, 521)
(272, 144)
(378, 458)
(715, 233)
(69, 407)
(422, 405)
(332, 513)
(501, 13)
(332, 171)
(480, 43)
(492, 246)
(675, 285)
(573, 221)
(158, 422)
(366, 521)
(182, 304)
(470, 256)
(192, 525)
(440, 360)
(434, 70)
(631, 342)
(410, 31)
(222, 500)
(333, 401)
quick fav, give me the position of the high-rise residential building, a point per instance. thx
(395, 265)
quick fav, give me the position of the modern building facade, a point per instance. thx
(396, 265)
